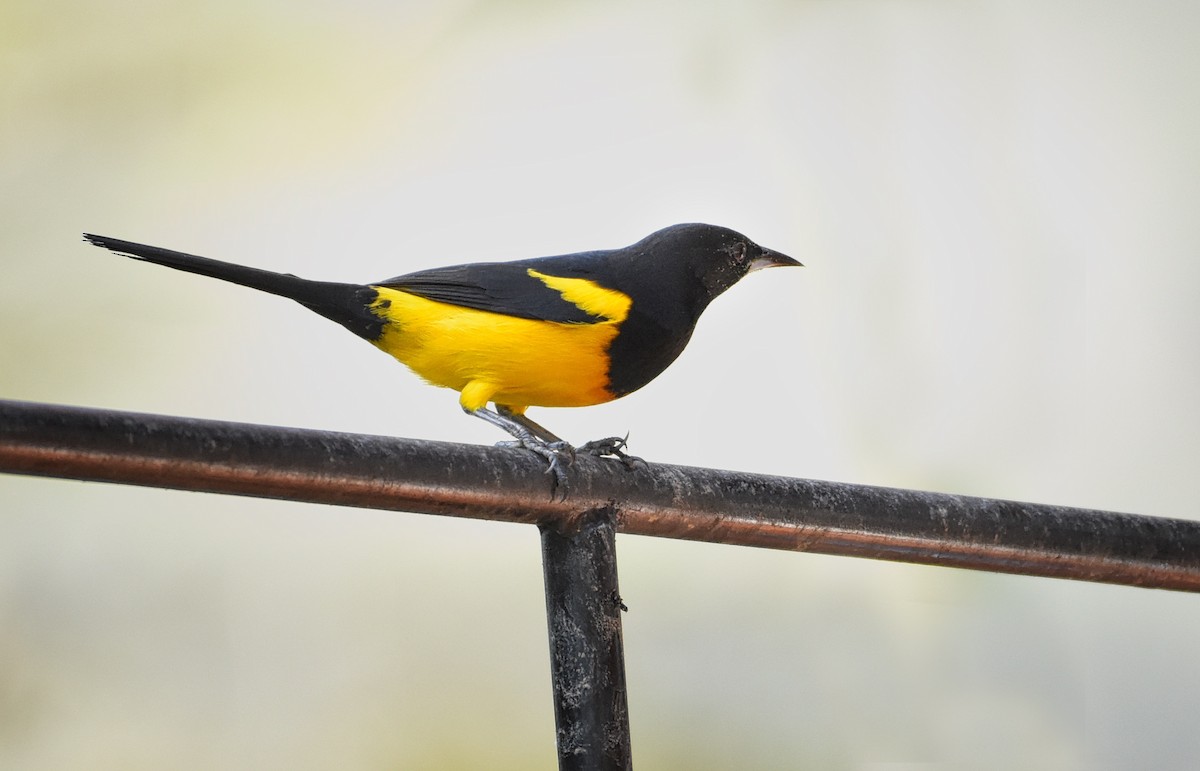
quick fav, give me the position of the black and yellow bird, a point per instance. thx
(565, 331)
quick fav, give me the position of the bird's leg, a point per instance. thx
(612, 447)
(557, 453)
(537, 429)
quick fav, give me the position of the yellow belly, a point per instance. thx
(490, 357)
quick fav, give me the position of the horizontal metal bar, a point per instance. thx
(657, 500)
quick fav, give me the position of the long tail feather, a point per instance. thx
(347, 304)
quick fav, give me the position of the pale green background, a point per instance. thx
(998, 206)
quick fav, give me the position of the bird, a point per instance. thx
(569, 330)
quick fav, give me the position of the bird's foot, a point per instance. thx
(558, 456)
(612, 447)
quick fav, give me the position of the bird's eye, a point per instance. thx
(739, 253)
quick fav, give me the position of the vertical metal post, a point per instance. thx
(587, 657)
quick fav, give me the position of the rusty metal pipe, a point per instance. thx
(657, 500)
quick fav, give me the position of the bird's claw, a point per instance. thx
(612, 447)
(558, 456)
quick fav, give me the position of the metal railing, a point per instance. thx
(578, 535)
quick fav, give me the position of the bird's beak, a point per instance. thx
(771, 259)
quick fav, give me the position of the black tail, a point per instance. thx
(347, 304)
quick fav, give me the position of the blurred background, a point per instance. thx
(996, 204)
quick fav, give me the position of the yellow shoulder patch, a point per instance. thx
(588, 296)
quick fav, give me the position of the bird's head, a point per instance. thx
(717, 257)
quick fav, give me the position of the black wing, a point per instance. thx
(498, 287)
